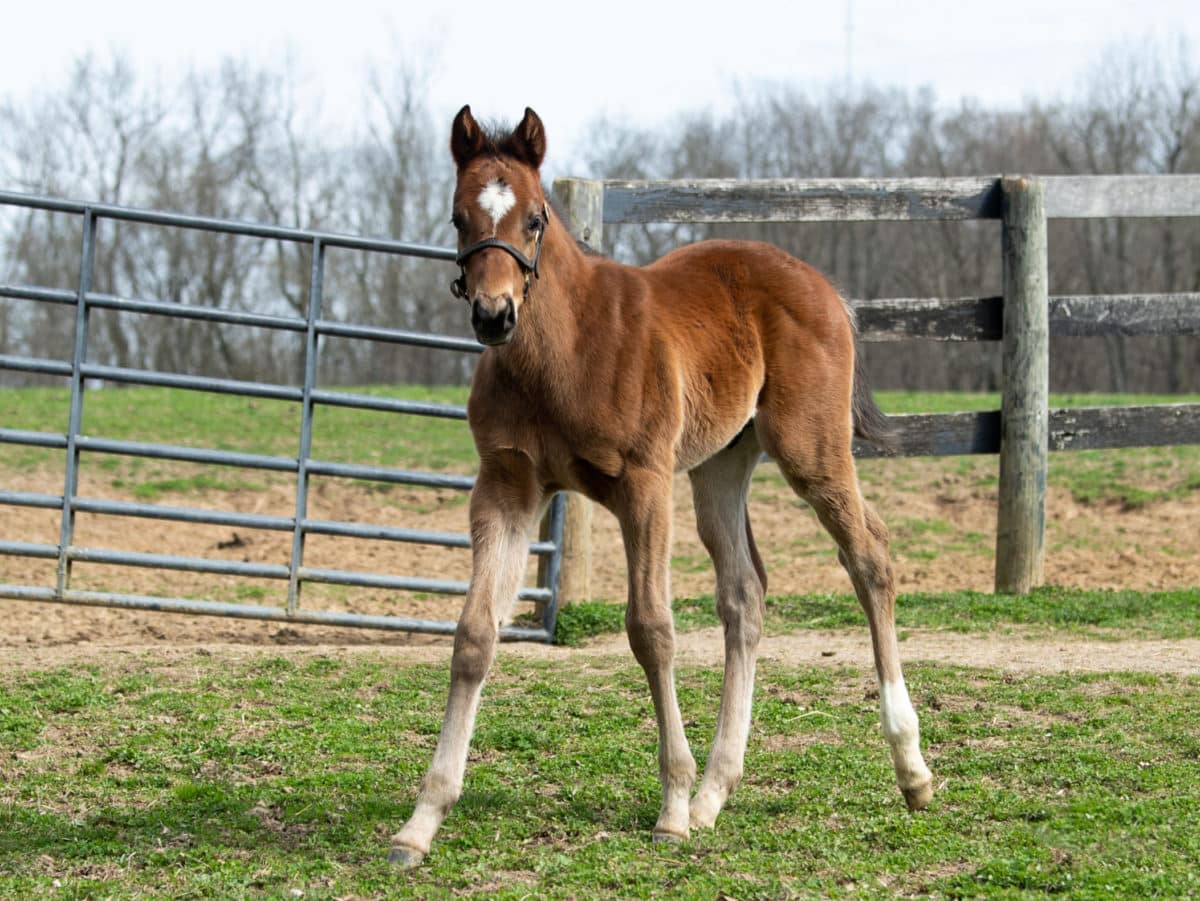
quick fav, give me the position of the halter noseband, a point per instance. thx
(458, 287)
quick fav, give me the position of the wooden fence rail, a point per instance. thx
(1024, 429)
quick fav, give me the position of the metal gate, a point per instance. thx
(313, 327)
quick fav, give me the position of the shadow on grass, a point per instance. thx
(210, 817)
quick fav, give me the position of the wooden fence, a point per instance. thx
(1023, 319)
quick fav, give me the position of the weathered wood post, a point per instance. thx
(1024, 428)
(581, 202)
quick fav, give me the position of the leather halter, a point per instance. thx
(458, 287)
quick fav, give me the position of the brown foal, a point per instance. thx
(608, 379)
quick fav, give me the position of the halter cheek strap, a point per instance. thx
(458, 287)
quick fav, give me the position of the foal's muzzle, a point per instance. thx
(493, 319)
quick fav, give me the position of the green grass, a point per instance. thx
(262, 777)
(966, 401)
(256, 425)
(1130, 477)
(246, 425)
(1103, 614)
(271, 776)
(250, 425)
(1123, 477)
(197, 484)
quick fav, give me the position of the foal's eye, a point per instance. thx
(458, 222)
(535, 222)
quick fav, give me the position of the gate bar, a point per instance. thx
(384, 474)
(31, 499)
(29, 549)
(558, 518)
(78, 371)
(406, 583)
(226, 226)
(173, 561)
(399, 336)
(35, 364)
(388, 404)
(236, 458)
(234, 317)
(75, 417)
(268, 523)
(315, 284)
(254, 611)
(32, 292)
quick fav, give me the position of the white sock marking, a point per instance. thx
(896, 712)
(497, 199)
(902, 732)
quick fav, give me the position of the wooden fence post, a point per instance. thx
(1024, 428)
(581, 203)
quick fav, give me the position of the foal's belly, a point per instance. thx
(708, 431)
(720, 378)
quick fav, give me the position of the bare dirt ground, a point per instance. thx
(942, 521)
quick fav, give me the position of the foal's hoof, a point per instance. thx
(405, 858)
(702, 814)
(919, 796)
(668, 838)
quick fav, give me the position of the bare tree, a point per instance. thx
(399, 186)
(237, 141)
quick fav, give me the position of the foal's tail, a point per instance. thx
(870, 422)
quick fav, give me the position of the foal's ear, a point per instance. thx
(528, 140)
(466, 137)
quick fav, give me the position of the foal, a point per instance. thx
(607, 379)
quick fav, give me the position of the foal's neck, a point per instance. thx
(544, 353)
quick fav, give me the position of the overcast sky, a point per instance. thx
(643, 61)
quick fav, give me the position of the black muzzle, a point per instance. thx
(493, 319)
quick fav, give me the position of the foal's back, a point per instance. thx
(742, 283)
(754, 330)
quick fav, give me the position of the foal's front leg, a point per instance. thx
(504, 506)
(645, 516)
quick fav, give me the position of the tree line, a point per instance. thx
(236, 142)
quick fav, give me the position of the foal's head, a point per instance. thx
(500, 214)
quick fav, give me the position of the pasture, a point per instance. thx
(235, 772)
(1116, 519)
(151, 756)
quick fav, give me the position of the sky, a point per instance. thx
(641, 62)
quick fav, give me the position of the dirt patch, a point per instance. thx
(849, 648)
(1008, 653)
(941, 518)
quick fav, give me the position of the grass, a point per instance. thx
(257, 425)
(927, 539)
(282, 776)
(967, 401)
(1129, 477)
(251, 425)
(1103, 614)
(222, 422)
(276, 776)
(196, 484)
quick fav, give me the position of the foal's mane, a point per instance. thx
(498, 142)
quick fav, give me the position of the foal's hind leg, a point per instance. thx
(719, 492)
(827, 479)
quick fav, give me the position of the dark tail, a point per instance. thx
(870, 423)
